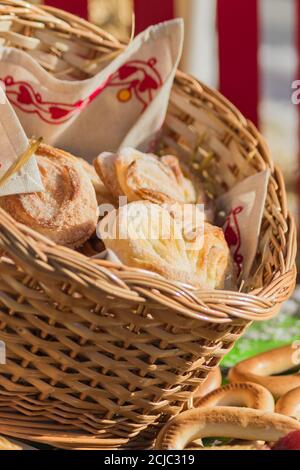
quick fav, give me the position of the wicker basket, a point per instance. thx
(99, 356)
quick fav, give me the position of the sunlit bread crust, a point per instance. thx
(211, 383)
(146, 236)
(140, 176)
(265, 368)
(246, 394)
(66, 212)
(237, 423)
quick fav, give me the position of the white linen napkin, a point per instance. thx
(14, 143)
(123, 105)
(243, 209)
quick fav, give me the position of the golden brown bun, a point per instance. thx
(102, 194)
(146, 236)
(189, 188)
(140, 176)
(214, 259)
(289, 404)
(66, 212)
(105, 168)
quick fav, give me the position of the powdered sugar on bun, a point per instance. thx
(66, 212)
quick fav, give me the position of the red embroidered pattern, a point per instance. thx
(136, 78)
(233, 236)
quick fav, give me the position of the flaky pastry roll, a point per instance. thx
(66, 212)
(147, 236)
(140, 176)
(102, 193)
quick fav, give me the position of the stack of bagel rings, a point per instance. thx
(260, 405)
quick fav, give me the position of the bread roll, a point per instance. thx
(66, 212)
(147, 236)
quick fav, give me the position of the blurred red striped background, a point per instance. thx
(238, 43)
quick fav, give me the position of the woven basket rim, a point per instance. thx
(51, 13)
(259, 304)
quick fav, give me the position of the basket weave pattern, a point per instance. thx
(105, 352)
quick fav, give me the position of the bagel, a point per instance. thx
(261, 368)
(289, 404)
(254, 446)
(246, 395)
(212, 381)
(232, 422)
